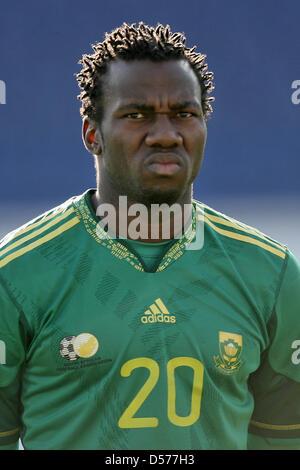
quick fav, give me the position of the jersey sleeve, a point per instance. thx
(275, 422)
(14, 335)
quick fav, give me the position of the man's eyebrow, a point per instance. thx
(137, 106)
(186, 104)
(151, 108)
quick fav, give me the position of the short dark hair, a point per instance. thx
(131, 42)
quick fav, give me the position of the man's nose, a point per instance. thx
(163, 133)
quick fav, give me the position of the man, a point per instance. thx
(116, 341)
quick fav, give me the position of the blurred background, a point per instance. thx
(252, 165)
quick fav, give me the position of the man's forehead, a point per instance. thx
(141, 78)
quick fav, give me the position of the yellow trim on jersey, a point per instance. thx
(277, 427)
(9, 433)
(36, 224)
(75, 220)
(36, 232)
(243, 228)
(242, 238)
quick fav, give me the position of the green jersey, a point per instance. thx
(96, 352)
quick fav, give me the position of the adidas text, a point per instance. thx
(158, 318)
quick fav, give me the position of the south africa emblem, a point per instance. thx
(230, 347)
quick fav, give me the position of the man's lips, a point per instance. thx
(164, 163)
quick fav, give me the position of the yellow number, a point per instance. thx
(198, 369)
(127, 420)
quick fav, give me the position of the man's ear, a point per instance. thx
(91, 136)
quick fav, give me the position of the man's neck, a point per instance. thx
(136, 221)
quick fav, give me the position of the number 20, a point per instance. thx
(127, 419)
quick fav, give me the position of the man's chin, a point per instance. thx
(152, 196)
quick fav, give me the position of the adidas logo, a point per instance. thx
(158, 312)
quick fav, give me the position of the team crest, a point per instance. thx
(230, 347)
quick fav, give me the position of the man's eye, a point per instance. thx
(185, 114)
(134, 115)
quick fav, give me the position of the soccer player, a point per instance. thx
(183, 341)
